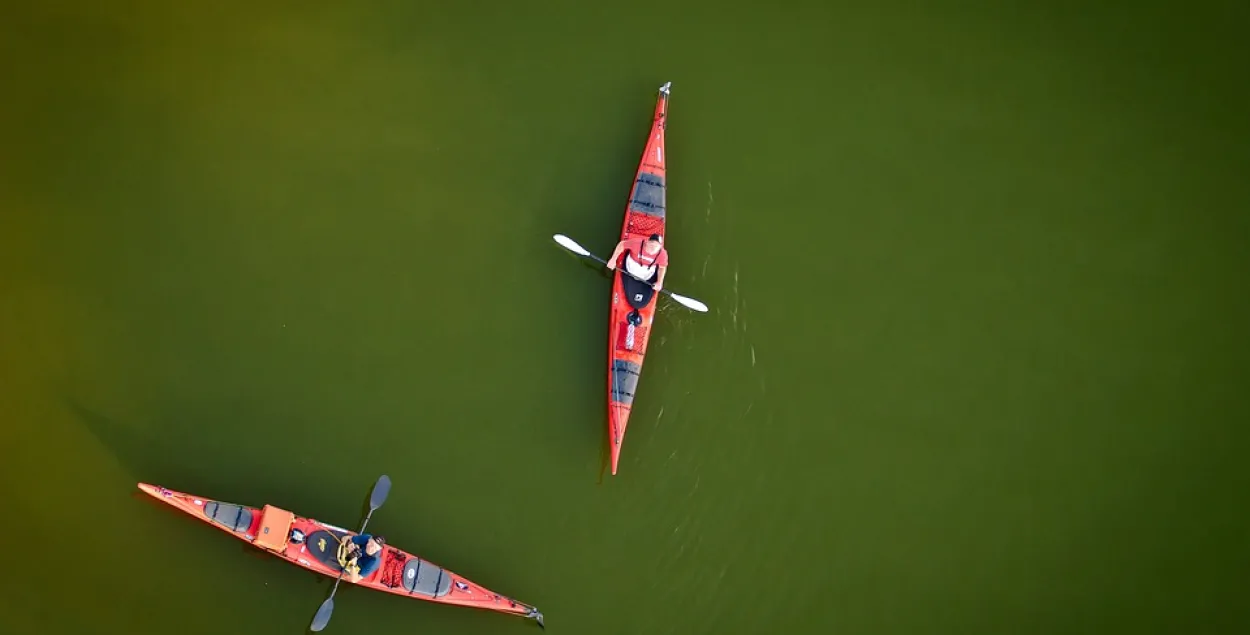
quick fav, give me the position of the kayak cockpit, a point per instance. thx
(398, 568)
(638, 294)
(323, 545)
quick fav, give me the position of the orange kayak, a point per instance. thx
(313, 544)
(627, 343)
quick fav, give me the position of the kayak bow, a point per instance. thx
(627, 343)
(313, 545)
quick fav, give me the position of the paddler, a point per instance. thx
(364, 554)
(646, 259)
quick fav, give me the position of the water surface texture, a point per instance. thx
(976, 359)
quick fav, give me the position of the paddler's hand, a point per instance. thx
(611, 265)
(658, 286)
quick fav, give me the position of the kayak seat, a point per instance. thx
(624, 380)
(648, 195)
(324, 547)
(233, 517)
(426, 579)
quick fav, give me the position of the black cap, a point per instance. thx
(657, 238)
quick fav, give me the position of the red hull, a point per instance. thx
(627, 345)
(271, 530)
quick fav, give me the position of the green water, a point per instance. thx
(977, 277)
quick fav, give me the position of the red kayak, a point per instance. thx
(313, 544)
(627, 343)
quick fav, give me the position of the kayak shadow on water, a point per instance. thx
(605, 455)
(590, 264)
(147, 459)
(188, 464)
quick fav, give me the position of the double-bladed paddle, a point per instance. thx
(380, 491)
(571, 245)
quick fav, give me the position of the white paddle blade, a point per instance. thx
(567, 243)
(690, 303)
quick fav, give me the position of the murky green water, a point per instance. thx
(974, 365)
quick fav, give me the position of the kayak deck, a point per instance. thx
(313, 545)
(627, 343)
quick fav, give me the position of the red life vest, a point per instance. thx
(642, 258)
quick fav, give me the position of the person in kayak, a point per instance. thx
(364, 554)
(647, 260)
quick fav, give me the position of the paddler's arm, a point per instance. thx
(616, 255)
(659, 281)
(353, 545)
